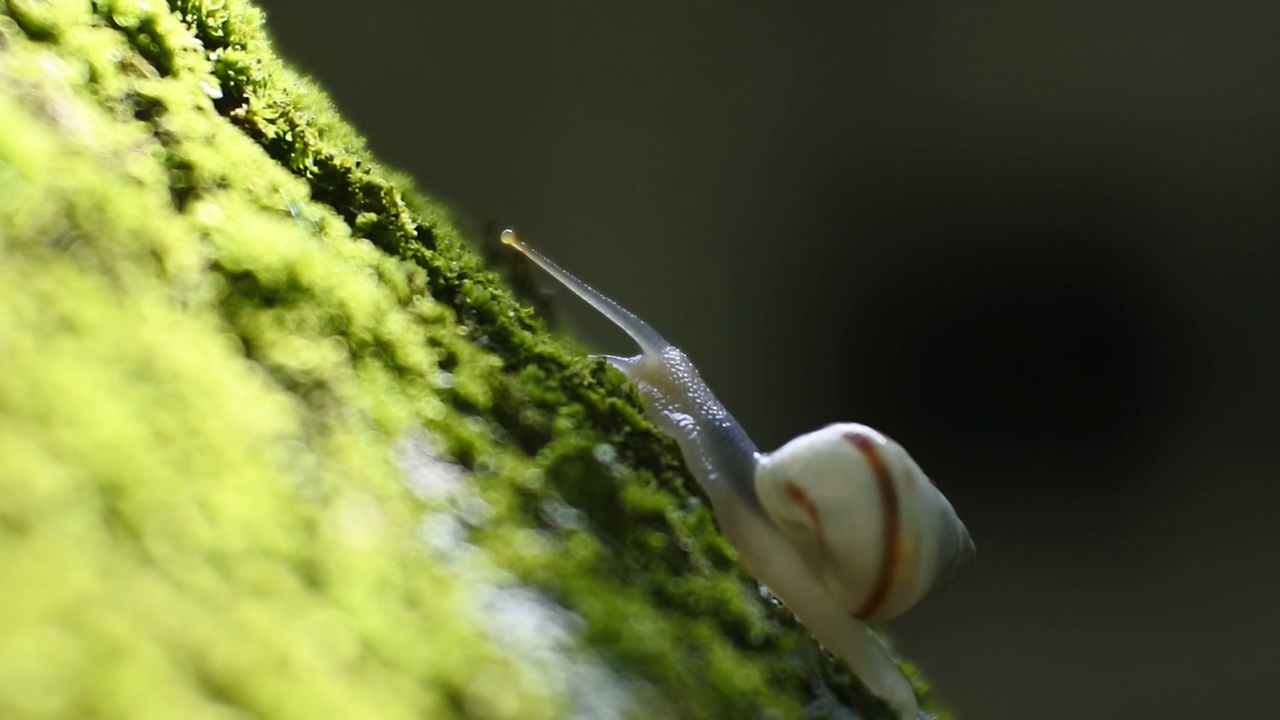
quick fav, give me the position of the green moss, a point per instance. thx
(219, 318)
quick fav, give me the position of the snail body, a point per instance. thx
(840, 523)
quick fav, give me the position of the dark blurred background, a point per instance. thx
(1035, 242)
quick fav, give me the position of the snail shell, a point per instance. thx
(864, 517)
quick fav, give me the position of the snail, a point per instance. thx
(840, 523)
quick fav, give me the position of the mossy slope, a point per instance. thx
(221, 325)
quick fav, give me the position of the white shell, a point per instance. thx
(864, 518)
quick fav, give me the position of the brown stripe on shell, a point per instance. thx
(893, 541)
(802, 501)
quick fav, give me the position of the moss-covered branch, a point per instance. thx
(273, 443)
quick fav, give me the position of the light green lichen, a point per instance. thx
(219, 319)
